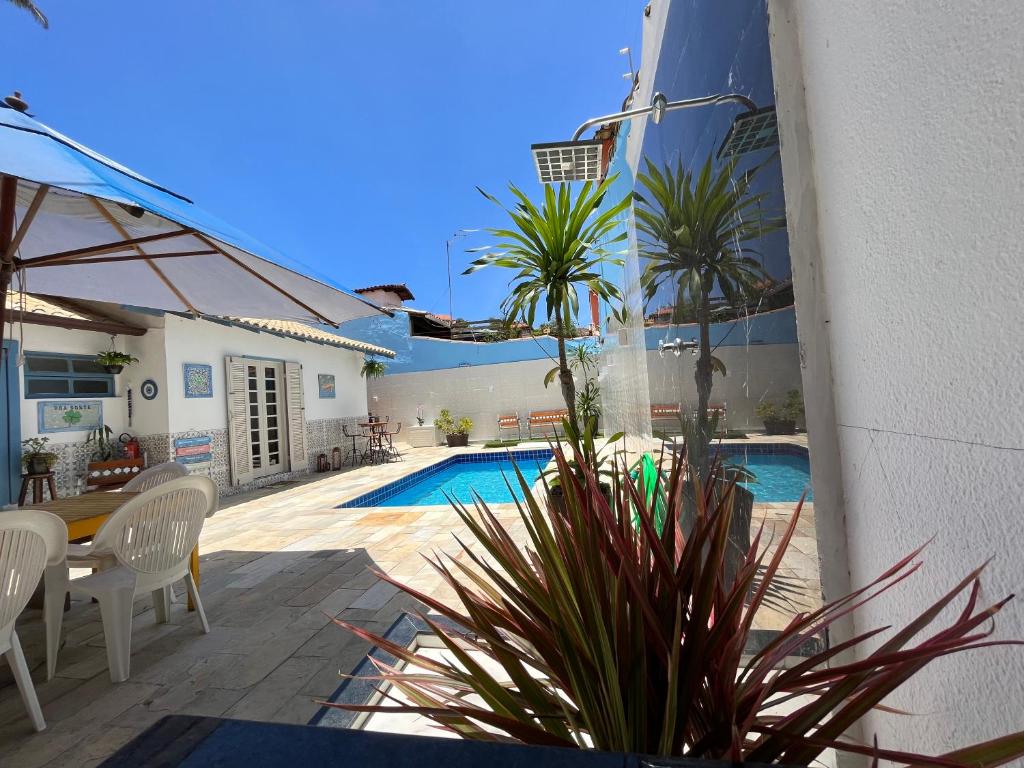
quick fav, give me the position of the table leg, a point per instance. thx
(193, 565)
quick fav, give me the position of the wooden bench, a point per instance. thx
(541, 419)
(510, 421)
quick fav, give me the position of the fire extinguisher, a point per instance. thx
(132, 447)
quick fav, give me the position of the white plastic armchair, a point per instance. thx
(31, 543)
(154, 476)
(151, 537)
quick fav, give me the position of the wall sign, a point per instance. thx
(326, 383)
(198, 379)
(193, 450)
(149, 389)
(70, 415)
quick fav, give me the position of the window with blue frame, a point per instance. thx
(49, 374)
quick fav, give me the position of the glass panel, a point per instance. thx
(253, 397)
(252, 371)
(256, 448)
(272, 434)
(41, 364)
(46, 387)
(255, 462)
(91, 387)
(271, 397)
(254, 423)
(272, 409)
(86, 366)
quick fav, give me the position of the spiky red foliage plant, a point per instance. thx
(612, 636)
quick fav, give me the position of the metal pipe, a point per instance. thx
(619, 117)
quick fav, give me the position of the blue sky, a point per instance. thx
(348, 135)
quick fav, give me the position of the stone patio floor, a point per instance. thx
(276, 565)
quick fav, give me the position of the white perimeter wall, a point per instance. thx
(913, 140)
(483, 392)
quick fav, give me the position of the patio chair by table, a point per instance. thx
(542, 419)
(510, 421)
(32, 543)
(668, 412)
(392, 450)
(151, 537)
(154, 476)
(353, 454)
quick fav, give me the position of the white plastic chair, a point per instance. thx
(151, 537)
(86, 555)
(32, 543)
(154, 476)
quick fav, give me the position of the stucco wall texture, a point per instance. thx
(915, 119)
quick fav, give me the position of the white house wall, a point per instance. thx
(911, 282)
(162, 353)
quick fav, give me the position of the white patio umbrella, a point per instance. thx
(76, 224)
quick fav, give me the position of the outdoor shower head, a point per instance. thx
(577, 160)
(751, 131)
(569, 160)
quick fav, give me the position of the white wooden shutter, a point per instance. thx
(296, 417)
(239, 447)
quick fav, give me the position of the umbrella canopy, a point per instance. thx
(74, 223)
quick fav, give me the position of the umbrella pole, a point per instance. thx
(8, 196)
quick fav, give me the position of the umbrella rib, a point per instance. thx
(138, 249)
(254, 273)
(96, 250)
(137, 257)
(33, 209)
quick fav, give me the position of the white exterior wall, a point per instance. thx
(483, 392)
(201, 341)
(43, 338)
(904, 178)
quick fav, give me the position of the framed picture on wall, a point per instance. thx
(325, 381)
(70, 415)
(198, 380)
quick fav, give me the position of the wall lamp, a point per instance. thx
(677, 346)
(583, 160)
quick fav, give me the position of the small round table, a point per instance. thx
(37, 487)
(375, 440)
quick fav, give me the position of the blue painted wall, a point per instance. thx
(414, 354)
(10, 424)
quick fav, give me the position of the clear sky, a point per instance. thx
(349, 135)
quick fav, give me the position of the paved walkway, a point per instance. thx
(276, 565)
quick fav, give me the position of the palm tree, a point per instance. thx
(553, 249)
(29, 6)
(696, 234)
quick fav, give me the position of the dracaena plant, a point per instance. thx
(554, 248)
(610, 635)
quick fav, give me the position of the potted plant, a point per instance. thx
(114, 361)
(781, 418)
(105, 467)
(36, 459)
(455, 432)
(373, 369)
(586, 456)
(599, 632)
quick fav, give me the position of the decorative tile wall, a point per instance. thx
(322, 436)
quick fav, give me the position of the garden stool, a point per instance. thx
(37, 487)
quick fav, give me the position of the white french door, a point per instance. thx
(265, 397)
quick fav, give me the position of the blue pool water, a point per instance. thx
(780, 476)
(482, 472)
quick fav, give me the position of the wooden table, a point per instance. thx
(84, 515)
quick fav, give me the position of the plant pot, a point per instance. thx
(37, 465)
(780, 427)
(457, 441)
(112, 472)
(113, 368)
(558, 497)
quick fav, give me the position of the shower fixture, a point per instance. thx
(577, 160)
(677, 346)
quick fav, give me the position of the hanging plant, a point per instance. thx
(114, 361)
(373, 369)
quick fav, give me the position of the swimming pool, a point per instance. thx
(783, 471)
(484, 473)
